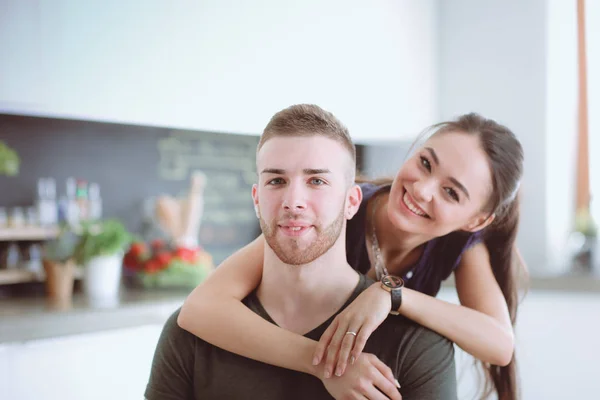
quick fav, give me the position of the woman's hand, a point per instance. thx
(361, 318)
(367, 378)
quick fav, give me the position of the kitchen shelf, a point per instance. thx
(28, 233)
(11, 276)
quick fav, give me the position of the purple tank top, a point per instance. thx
(439, 258)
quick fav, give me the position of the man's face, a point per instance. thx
(302, 196)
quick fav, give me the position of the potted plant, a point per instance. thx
(585, 239)
(100, 252)
(9, 160)
(59, 266)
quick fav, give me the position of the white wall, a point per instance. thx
(593, 53)
(222, 65)
(562, 121)
(561, 129)
(493, 61)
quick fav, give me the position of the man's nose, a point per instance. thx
(294, 198)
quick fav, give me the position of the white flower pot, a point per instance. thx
(102, 279)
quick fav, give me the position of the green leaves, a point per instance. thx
(9, 161)
(61, 249)
(108, 237)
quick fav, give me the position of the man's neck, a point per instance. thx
(299, 298)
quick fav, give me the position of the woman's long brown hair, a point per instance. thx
(505, 157)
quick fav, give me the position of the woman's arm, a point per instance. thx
(215, 313)
(481, 324)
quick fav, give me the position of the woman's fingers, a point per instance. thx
(384, 385)
(361, 338)
(385, 372)
(385, 392)
(345, 349)
(334, 347)
(324, 342)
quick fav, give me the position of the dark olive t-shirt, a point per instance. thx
(186, 367)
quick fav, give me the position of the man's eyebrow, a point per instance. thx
(306, 171)
(316, 171)
(453, 180)
(275, 171)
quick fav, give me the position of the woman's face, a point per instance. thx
(443, 187)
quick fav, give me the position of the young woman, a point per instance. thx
(452, 208)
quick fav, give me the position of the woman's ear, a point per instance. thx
(479, 222)
(353, 200)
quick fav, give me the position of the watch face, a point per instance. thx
(392, 281)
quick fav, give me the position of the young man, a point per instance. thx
(304, 196)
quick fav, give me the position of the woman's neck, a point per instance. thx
(400, 249)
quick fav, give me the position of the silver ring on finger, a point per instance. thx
(351, 333)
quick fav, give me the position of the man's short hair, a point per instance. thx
(309, 120)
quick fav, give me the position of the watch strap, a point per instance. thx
(396, 300)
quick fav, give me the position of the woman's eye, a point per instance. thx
(425, 162)
(317, 181)
(452, 193)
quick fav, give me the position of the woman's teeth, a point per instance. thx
(412, 207)
(295, 228)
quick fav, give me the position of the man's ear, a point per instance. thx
(480, 222)
(353, 200)
(255, 200)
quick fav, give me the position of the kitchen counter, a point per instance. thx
(568, 283)
(26, 319)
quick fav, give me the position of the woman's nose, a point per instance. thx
(423, 190)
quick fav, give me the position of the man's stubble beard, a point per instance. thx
(293, 255)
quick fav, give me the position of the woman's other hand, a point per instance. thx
(347, 335)
(367, 378)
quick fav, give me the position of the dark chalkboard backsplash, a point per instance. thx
(133, 163)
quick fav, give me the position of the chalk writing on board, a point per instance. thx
(179, 154)
(229, 164)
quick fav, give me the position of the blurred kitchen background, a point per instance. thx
(140, 119)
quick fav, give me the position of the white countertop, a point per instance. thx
(26, 319)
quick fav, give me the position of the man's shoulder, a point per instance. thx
(174, 333)
(421, 359)
(406, 341)
(171, 323)
(173, 362)
(408, 334)
(408, 331)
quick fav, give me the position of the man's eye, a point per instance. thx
(425, 162)
(317, 181)
(276, 181)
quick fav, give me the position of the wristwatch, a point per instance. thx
(394, 285)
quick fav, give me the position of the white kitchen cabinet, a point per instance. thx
(558, 346)
(103, 365)
(228, 66)
(5, 383)
(22, 73)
